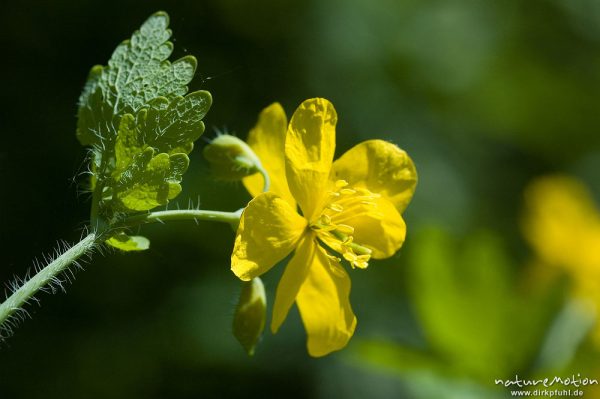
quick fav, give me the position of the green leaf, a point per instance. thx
(150, 180)
(137, 73)
(392, 356)
(128, 243)
(136, 115)
(465, 296)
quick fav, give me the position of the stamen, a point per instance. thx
(347, 204)
(365, 191)
(335, 207)
(344, 228)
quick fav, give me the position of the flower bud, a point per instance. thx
(231, 158)
(250, 314)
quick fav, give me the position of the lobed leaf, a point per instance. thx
(136, 115)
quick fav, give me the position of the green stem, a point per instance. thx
(95, 207)
(233, 218)
(18, 298)
(265, 175)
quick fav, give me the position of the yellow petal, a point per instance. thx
(324, 304)
(561, 218)
(267, 140)
(377, 225)
(309, 150)
(381, 167)
(269, 229)
(293, 277)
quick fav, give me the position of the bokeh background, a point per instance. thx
(487, 97)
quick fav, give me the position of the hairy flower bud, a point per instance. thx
(231, 158)
(250, 314)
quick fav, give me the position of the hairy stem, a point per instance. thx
(233, 218)
(21, 295)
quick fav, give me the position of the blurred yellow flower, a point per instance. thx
(562, 223)
(351, 206)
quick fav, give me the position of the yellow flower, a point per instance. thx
(562, 224)
(351, 207)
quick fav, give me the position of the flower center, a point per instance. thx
(345, 204)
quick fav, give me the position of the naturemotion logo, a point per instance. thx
(574, 381)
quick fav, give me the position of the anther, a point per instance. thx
(344, 228)
(369, 203)
(335, 207)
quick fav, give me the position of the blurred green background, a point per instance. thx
(485, 96)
